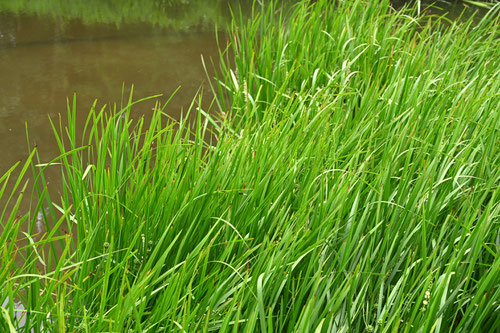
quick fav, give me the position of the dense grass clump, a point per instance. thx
(353, 187)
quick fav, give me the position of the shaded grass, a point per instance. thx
(353, 187)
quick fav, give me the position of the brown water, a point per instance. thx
(41, 66)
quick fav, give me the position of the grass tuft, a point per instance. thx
(353, 187)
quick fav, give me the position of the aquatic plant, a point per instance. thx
(345, 179)
(483, 4)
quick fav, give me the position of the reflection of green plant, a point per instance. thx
(181, 14)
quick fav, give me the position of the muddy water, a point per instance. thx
(42, 65)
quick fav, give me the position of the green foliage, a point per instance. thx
(353, 187)
(483, 4)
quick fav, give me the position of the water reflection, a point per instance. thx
(177, 14)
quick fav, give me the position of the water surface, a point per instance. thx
(41, 66)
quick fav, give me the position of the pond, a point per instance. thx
(45, 59)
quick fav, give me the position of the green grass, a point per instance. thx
(483, 4)
(353, 187)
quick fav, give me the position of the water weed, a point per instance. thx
(353, 187)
